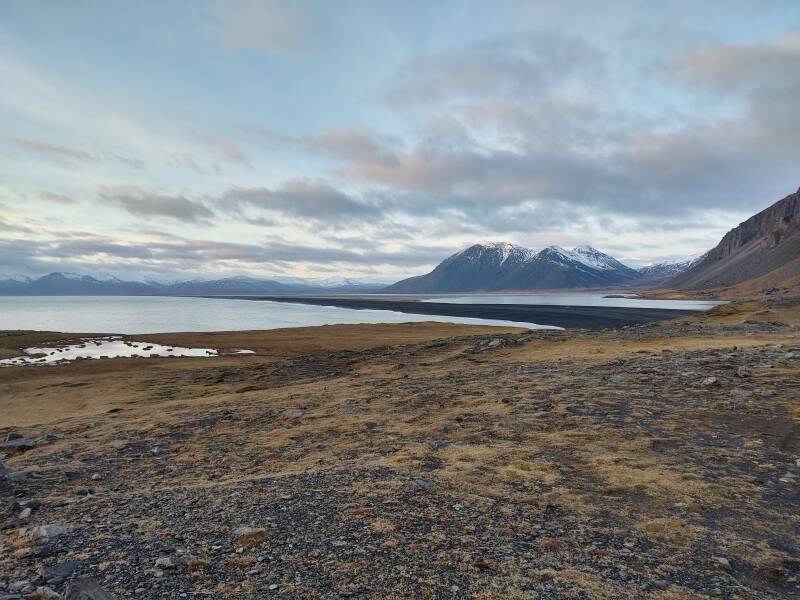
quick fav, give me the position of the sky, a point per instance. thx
(371, 139)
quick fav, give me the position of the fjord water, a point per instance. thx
(157, 314)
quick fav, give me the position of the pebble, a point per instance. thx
(165, 562)
(722, 561)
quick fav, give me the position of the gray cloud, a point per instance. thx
(505, 132)
(234, 152)
(56, 150)
(146, 203)
(62, 152)
(54, 197)
(304, 198)
(519, 65)
(76, 250)
(729, 67)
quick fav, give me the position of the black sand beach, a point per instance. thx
(569, 317)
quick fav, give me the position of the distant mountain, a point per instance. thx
(762, 252)
(67, 284)
(664, 270)
(504, 266)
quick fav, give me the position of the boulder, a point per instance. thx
(86, 588)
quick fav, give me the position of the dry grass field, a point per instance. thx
(419, 460)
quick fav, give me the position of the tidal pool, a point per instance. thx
(105, 347)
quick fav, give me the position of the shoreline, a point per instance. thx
(568, 317)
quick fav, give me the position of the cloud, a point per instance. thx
(175, 256)
(305, 198)
(729, 67)
(62, 152)
(533, 119)
(54, 197)
(518, 65)
(146, 203)
(53, 149)
(234, 152)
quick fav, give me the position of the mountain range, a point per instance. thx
(67, 284)
(481, 267)
(504, 266)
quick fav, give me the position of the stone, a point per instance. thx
(430, 464)
(62, 569)
(744, 372)
(20, 585)
(424, 483)
(244, 530)
(709, 381)
(86, 588)
(438, 444)
(165, 562)
(44, 593)
(18, 444)
(722, 561)
(45, 532)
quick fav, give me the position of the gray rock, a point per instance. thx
(424, 483)
(63, 569)
(744, 371)
(86, 588)
(709, 381)
(45, 532)
(244, 530)
(165, 562)
(18, 444)
(438, 444)
(430, 464)
(722, 561)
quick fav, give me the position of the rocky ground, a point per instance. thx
(660, 461)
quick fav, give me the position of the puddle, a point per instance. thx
(106, 347)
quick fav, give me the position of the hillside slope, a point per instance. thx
(765, 248)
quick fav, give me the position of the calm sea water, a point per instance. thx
(134, 314)
(574, 299)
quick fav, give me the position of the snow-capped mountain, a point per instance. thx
(505, 266)
(664, 270)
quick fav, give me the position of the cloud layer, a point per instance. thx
(373, 141)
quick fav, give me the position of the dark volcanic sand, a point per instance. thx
(570, 317)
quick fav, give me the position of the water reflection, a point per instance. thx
(105, 347)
